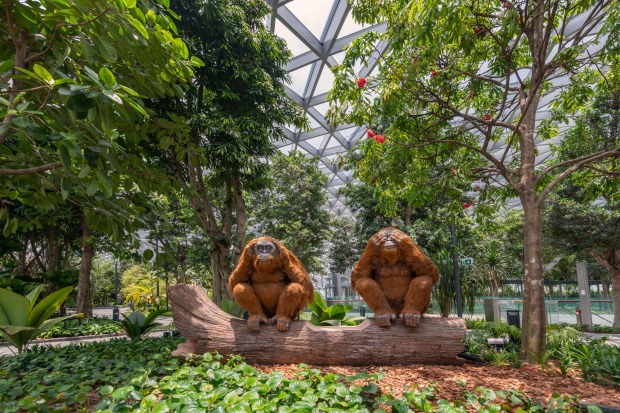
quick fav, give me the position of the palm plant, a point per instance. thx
(22, 319)
(137, 324)
(493, 265)
(444, 291)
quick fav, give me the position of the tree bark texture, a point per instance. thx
(533, 332)
(85, 294)
(220, 271)
(615, 285)
(207, 329)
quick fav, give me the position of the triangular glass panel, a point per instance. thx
(299, 78)
(295, 45)
(312, 14)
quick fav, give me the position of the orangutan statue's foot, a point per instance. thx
(255, 320)
(384, 319)
(412, 318)
(282, 322)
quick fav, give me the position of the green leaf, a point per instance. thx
(43, 73)
(14, 309)
(107, 76)
(48, 306)
(92, 187)
(10, 227)
(80, 103)
(84, 172)
(139, 27)
(64, 156)
(34, 294)
(148, 254)
(130, 4)
(6, 65)
(106, 390)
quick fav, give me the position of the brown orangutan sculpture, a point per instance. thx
(270, 284)
(395, 278)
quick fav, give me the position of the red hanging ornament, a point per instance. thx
(361, 82)
(379, 139)
(466, 205)
(370, 133)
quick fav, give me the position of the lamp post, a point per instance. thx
(115, 311)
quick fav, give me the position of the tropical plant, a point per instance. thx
(232, 308)
(334, 315)
(142, 297)
(22, 319)
(444, 291)
(492, 264)
(137, 324)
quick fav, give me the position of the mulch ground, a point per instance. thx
(536, 383)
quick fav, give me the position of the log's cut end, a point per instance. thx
(207, 328)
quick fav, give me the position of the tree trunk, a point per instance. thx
(615, 285)
(241, 218)
(207, 328)
(614, 271)
(445, 311)
(221, 272)
(182, 260)
(85, 294)
(53, 248)
(610, 259)
(533, 333)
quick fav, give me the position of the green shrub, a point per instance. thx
(334, 315)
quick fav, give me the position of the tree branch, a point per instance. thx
(33, 170)
(577, 163)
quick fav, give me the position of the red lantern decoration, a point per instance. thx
(370, 133)
(433, 74)
(487, 117)
(466, 205)
(379, 139)
(361, 82)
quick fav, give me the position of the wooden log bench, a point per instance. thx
(207, 328)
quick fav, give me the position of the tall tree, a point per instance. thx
(465, 81)
(231, 114)
(292, 210)
(72, 111)
(344, 246)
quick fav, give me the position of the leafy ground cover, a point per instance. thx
(83, 327)
(141, 376)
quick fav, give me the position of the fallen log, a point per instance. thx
(207, 328)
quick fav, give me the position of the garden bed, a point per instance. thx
(141, 376)
(452, 381)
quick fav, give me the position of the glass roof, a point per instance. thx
(316, 33)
